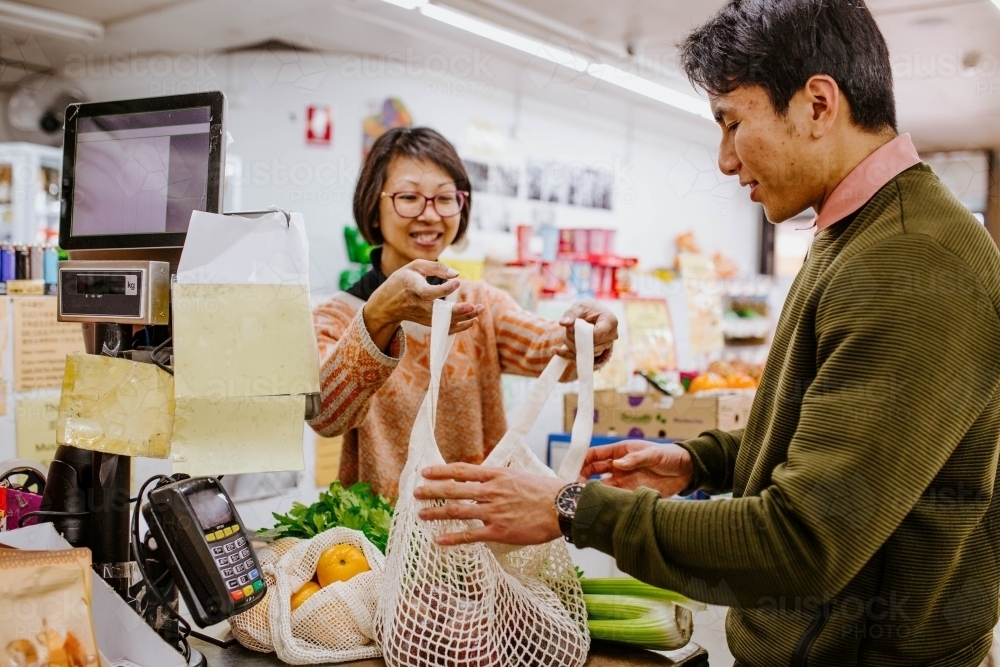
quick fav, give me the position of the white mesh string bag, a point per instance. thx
(482, 605)
(336, 624)
(252, 628)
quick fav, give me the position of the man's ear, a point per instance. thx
(823, 104)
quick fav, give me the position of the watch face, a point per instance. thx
(568, 499)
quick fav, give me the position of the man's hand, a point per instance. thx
(605, 328)
(667, 469)
(515, 507)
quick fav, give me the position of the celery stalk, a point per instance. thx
(635, 588)
(652, 624)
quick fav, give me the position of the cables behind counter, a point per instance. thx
(184, 628)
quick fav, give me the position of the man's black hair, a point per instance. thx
(779, 44)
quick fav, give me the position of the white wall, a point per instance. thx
(666, 180)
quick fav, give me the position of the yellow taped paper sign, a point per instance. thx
(41, 343)
(36, 429)
(243, 340)
(116, 406)
(238, 435)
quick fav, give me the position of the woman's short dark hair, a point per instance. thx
(418, 143)
(779, 44)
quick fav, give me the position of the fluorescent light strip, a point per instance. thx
(48, 23)
(607, 73)
(505, 37)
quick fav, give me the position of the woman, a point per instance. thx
(413, 199)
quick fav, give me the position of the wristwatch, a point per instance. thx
(566, 501)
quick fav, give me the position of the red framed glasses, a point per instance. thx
(413, 204)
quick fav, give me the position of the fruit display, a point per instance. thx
(726, 375)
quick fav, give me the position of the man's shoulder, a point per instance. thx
(921, 212)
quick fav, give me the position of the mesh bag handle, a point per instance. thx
(423, 448)
(538, 395)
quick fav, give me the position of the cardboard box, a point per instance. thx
(659, 416)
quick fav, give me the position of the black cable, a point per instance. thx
(184, 627)
(156, 360)
(21, 520)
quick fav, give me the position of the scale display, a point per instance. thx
(114, 291)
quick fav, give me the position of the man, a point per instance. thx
(863, 528)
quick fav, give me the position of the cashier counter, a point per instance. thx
(602, 654)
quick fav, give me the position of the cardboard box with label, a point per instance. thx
(659, 416)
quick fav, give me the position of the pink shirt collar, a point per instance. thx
(887, 162)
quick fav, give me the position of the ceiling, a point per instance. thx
(945, 59)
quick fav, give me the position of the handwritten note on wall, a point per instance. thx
(41, 343)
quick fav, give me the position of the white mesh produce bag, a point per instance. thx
(336, 624)
(484, 605)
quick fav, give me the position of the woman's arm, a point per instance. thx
(352, 369)
(527, 342)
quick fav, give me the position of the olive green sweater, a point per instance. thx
(864, 508)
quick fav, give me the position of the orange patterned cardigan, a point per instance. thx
(372, 398)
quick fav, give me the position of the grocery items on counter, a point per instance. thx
(57, 586)
(316, 610)
(356, 507)
(627, 610)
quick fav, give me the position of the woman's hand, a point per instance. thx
(406, 296)
(667, 469)
(605, 328)
(516, 507)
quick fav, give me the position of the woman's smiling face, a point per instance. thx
(427, 235)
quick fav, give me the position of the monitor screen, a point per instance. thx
(140, 173)
(134, 171)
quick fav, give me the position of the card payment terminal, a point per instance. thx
(209, 551)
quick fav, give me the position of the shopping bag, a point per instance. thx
(336, 624)
(483, 605)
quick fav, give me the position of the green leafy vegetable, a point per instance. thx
(356, 507)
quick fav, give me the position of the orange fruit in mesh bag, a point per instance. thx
(340, 563)
(300, 596)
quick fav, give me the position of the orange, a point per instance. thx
(300, 596)
(741, 381)
(339, 563)
(705, 382)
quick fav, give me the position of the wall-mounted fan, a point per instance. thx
(35, 109)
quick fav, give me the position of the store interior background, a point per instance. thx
(499, 106)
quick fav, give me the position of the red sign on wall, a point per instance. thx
(319, 125)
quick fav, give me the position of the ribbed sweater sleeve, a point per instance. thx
(352, 368)
(524, 340)
(714, 456)
(907, 357)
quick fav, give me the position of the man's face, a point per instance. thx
(772, 154)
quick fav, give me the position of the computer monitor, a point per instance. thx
(134, 170)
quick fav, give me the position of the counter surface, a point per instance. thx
(602, 654)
